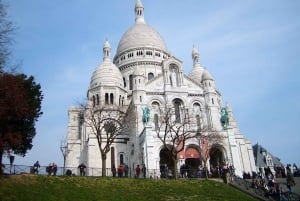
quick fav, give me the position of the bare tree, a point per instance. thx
(64, 150)
(6, 30)
(173, 133)
(106, 123)
(207, 137)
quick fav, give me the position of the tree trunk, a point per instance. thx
(206, 170)
(1, 154)
(103, 157)
(1, 170)
(175, 167)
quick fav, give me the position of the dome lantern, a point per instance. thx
(139, 12)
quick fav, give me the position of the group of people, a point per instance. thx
(268, 184)
(51, 169)
(138, 171)
(122, 170)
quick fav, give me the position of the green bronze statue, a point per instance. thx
(224, 118)
(146, 114)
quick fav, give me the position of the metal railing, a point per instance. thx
(74, 171)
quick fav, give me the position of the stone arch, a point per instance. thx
(166, 163)
(157, 99)
(217, 158)
(192, 159)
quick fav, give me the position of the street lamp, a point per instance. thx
(11, 161)
(64, 150)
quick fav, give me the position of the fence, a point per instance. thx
(89, 171)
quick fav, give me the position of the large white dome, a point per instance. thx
(141, 35)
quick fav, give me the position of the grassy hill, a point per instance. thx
(49, 188)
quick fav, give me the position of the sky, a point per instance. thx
(250, 47)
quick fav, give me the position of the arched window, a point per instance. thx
(120, 100)
(94, 101)
(130, 82)
(97, 99)
(150, 76)
(112, 156)
(121, 158)
(177, 107)
(212, 101)
(111, 98)
(196, 108)
(106, 99)
(124, 82)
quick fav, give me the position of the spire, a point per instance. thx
(139, 12)
(195, 56)
(106, 50)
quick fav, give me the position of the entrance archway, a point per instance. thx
(216, 161)
(192, 161)
(165, 162)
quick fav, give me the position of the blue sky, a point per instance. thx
(250, 47)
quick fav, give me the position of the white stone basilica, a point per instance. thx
(143, 73)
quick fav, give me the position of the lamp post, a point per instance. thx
(11, 161)
(64, 150)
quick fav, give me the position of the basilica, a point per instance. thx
(144, 74)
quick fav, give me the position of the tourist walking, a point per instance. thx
(82, 169)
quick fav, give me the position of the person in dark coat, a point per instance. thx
(82, 169)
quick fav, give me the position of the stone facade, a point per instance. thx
(143, 73)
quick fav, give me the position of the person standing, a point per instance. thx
(137, 171)
(36, 167)
(120, 170)
(290, 182)
(126, 168)
(82, 169)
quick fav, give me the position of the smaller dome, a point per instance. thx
(206, 76)
(196, 74)
(106, 74)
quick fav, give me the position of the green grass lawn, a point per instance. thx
(49, 188)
